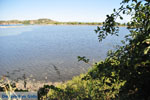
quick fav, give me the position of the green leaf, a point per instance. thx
(123, 12)
(147, 41)
(135, 0)
(114, 10)
(121, 18)
(146, 50)
(95, 31)
(83, 59)
(98, 28)
(137, 5)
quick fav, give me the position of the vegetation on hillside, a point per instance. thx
(38, 21)
(125, 73)
(49, 21)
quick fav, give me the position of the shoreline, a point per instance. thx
(24, 25)
(11, 26)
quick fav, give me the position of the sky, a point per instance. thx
(58, 10)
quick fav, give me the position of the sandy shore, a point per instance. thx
(11, 26)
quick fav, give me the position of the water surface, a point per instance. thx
(35, 50)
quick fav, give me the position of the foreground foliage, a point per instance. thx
(125, 73)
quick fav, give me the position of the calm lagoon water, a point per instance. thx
(35, 50)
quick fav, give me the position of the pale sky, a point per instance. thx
(58, 10)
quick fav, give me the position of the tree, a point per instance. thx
(132, 60)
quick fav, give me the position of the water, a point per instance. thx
(34, 50)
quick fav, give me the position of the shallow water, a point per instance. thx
(35, 50)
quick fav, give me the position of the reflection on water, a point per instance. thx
(36, 49)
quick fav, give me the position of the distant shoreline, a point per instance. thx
(18, 26)
(45, 21)
(24, 25)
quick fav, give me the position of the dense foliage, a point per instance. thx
(125, 73)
